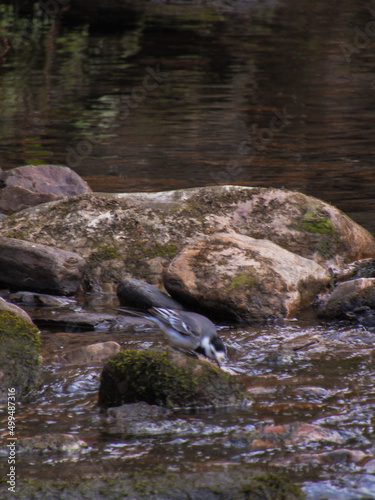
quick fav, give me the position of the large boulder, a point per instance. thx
(36, 267)
(166, 378)
(243, 278)
(30, 185)
(19, 352)
(136, 235)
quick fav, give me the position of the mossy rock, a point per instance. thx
(167, 378)
(19, 352)
(231, 483)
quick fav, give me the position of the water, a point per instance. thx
(298, 373)
(164, 95)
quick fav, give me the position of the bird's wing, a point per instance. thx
(176, 320)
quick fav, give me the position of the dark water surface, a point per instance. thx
(151, 96)
(164, 95)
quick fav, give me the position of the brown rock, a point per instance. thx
(243, 278)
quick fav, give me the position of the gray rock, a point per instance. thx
(138, 294)
(31, 185)
(34, 267)
(243, 278)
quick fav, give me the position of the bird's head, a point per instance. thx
(214, 348)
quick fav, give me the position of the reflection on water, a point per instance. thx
(160, 96)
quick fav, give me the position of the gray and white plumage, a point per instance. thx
(189, 331)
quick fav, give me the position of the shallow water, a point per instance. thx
(297, 372)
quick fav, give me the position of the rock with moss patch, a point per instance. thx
(166, 378)
(243, 279)
(19, 352)
(230, 483)
(136, 234)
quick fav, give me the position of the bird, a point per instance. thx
(188, 331)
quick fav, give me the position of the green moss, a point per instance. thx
(19, 353)
(105, 252)
(271, 486)
(13, 326)
(243, 280)
(18, 234)
(315, 221)
(150, 376)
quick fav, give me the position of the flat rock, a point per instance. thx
(41, 268)
(243, 278)
(30, 185)
(85, 321)
(39, 299)
(166, 378)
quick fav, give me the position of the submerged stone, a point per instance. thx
(167, 378)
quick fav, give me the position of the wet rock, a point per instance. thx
(91, 354)
(298, 435)
(19, 352)
(137, 418)
(166, 378)
(353, 300)
(38, 299)
(34, 267)
(30, 185)
(141, 295)
(121, 235)
(341, 456)
(243, 278)
(141, 419)
(48, 443)
(85, 321)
